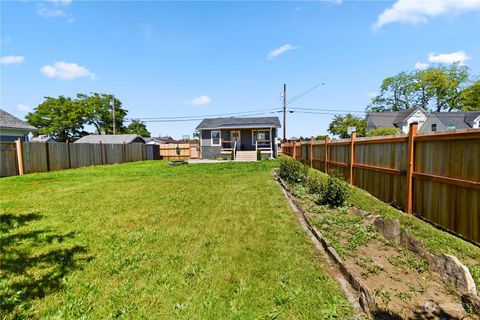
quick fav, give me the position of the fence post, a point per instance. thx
(19, 149)
(311, 152)
(352, 156)
(294, 153)
(326, 154)
(47, 155)
(124, 152)
(69, 156)
(410, 166)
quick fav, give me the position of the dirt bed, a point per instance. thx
(398, 280)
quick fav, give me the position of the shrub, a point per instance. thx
(292, 171)
(259, 155)
(314, 185)
(300, 191)
(383, 132)
(334, 193)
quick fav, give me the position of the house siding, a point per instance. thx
(426, 128)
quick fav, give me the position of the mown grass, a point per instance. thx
(144, 240)
(435, 240)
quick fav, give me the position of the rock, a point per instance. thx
(357, 212)
(390, 229)
(452, 270)
(369, 220)
(411, 242)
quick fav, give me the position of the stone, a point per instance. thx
(390, 229)
(370, 220)
(357, 212)
(411, 242)
(457, 273)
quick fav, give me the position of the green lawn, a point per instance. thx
(144, 240)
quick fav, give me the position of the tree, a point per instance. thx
(339, 125)
(99, 111)
(138, 127)
(60, 118)
(444, 85)
(383, 132)
(396, 93)
(470, 97)
(196, 135)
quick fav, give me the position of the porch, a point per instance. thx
(244, 142)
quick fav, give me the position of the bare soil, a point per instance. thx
(400, 281)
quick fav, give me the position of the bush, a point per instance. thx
(299, 190)
(292, 171)
(383, 132)
(259, 155)
(334, 193)
(314, 185)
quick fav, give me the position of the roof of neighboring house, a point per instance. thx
(165, 140)
(459, 119)
(219, 123)
(9, 121)
(117, 138)
(41, 139)
(391, 119)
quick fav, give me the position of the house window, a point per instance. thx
(451, 127)
(433, 127)
(215, 138)
(261, 136)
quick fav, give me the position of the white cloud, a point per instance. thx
(459, 56)
(199, 101)
(61, 2)
(53, 9)
(279, 51)
(12, 59)
(414, 12)
(24, 108)
(421, 66)
(66, 71)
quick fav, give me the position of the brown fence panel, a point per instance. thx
(170, 150)
(339, 157)
(456, 207)
(134, 152)
(113, 153)
(8, 159)
(388, 185)
(58, 156)
(35, 157)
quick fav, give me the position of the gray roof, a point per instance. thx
(459, 119)
(257, 122)
(117, 138)
(9, 121)
(391, 119)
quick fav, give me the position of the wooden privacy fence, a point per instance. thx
(436, 176)
(26, 157)
(168, 151)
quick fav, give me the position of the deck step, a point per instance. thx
(246, 156)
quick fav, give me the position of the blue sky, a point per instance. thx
(169, 59)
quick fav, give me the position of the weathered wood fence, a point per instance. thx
(436, 176)
(26, 157)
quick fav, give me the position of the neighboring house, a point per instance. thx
(111, 138)
(12, 128)
(396, 119)
(42, 139)
(219, 136)
(445, 121)
(161, 140)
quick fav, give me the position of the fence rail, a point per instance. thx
(26, 157)
(436, 176)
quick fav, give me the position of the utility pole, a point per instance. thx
(284, 112)
(113, 113)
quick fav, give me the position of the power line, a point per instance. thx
(291, 100)
(196, 118)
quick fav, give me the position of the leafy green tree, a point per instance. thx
(470, 97)
(99, 111)
(60, 118)
(321, 137)
(339, 125)
(444, 85)
(383, 132)
(196, 134)
(138, 127)
(396, 93)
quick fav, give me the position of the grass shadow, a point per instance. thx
(33, 263)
